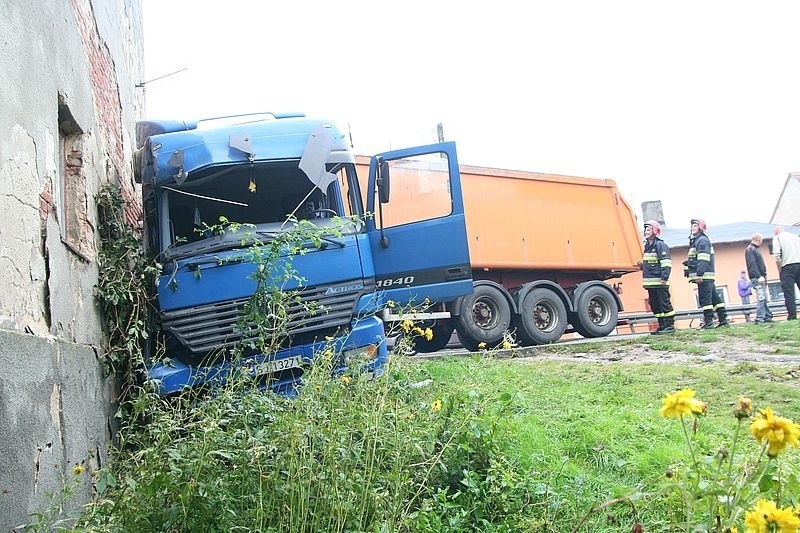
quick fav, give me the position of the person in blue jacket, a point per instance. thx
(699, 268)
(656, 267)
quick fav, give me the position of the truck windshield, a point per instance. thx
(262, 195)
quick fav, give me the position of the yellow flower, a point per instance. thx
(390, 303)
(776, 430)
(436, 405)
(744, 408)
(506, 345)
(428, 334)
(346, 380)
(78, 470)
(318, 388)
(681, 403)
(406, 325)
(766, 514)
(481, 345)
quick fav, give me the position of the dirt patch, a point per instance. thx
(729, 351)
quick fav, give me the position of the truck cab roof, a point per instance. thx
(170, 150)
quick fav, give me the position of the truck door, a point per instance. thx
(417, 230)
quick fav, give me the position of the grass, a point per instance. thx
(452, 444)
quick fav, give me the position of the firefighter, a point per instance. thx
(699, 268)
(656, 267)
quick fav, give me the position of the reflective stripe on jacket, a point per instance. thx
(700, 260)
(656, 264)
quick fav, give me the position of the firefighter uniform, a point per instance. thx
(656, 267)
(700, 264)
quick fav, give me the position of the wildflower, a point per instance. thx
(766, 517)
(506, 345)
(346, 380)
(744, 408)
(78, 470)
(390, 303)
(318, 388)
(681, 403)
(481, 345)
(406, 325)
(428, 334)
(436, 405)
(777, 431)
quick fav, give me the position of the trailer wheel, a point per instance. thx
(596, 313)
(543, 317)
(483, 318)
(442, 330)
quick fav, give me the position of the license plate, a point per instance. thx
(276, 365)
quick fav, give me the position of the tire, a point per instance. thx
(542, 319)
(596, 313)
(483, 317)
(442, 330)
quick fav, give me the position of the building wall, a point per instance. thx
(67, 113)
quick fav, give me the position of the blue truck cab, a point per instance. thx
(267, 171)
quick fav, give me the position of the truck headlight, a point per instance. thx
(364, 353)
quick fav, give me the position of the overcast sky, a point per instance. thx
(693, 103)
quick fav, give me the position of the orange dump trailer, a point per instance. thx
(541, 246)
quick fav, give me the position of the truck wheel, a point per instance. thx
(596, 313)
(483, 317)
(442, 330)
(543, 317)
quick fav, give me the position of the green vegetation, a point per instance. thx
(452, 444)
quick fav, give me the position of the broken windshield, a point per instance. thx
(261, 195)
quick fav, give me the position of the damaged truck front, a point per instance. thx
(272, 173)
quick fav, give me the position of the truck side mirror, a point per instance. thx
(383, 182)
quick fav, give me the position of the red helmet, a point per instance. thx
(700, 224)
(655, 226)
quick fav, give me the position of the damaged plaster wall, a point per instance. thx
(67, 113)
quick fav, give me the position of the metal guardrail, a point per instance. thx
(631, 319)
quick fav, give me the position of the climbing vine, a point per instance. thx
(124, 286)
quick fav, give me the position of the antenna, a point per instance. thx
(143, 83)
(350, 134)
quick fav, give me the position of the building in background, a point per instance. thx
(68, 106)
(787, 208)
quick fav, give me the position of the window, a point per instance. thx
(775, 291)
(421, 187)
(722, 292)
(72, 203)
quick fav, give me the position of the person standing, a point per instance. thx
(757, 271)
(745, 289)
(786, 249)
(699, 268)
(656, 267)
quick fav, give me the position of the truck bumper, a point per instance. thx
(367, 334)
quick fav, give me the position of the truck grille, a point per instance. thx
(211, 326)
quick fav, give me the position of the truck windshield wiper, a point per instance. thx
(338, 244)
